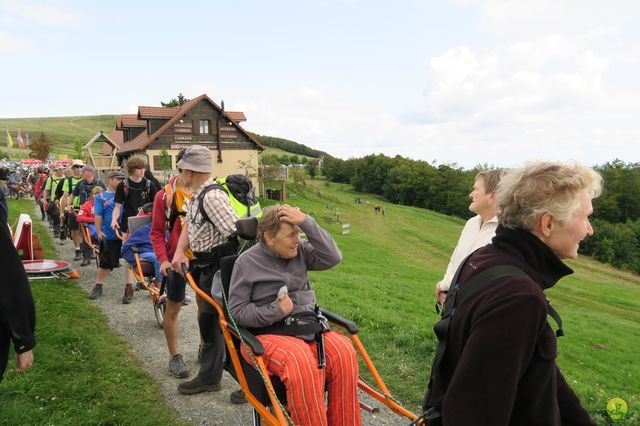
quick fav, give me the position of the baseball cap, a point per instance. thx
(196, 158)
(77, 163)
(115, 174)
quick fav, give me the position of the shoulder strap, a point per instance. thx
(201, 196)
(125, 182)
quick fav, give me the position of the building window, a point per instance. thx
(204, 127)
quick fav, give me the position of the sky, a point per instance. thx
(464, 82)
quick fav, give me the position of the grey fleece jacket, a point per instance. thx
(260, 272)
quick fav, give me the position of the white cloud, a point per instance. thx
(8, 43)
(44, 12)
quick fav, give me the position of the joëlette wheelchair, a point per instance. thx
(266, 393)
(144, 272)
(88, 240)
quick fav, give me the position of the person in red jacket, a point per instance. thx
(169, 209)
(38, 192)
(86, 215)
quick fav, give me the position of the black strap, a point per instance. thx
(300, 324)
(201, 196)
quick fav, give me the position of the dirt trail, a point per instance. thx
(136, 323)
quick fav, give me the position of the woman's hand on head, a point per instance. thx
(292, 215)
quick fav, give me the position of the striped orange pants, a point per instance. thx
(295, 362)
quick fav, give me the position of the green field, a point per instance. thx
(385, 284)
(82, 372)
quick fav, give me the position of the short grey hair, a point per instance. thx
(541, 187)
(269, 222)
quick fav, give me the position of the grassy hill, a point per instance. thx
(385, 283)
(65, 130)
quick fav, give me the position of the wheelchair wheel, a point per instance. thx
(158, 310)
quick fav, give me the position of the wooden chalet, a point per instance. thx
(199, 121)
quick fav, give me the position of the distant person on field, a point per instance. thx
(498, 365)
(17, 311)
(479, 230)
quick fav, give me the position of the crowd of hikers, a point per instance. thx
(495, 361)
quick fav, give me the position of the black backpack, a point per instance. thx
(239, 189)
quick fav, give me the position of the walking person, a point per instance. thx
(110, 244)
(53, 208)
(131, 194)
(169, 211)
(209, 222)
(66, 207)
(81, 193)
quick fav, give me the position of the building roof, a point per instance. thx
(141, 141)
(145, 112)
(236, 116)
(129, 120)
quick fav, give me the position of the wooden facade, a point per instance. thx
(199, 121)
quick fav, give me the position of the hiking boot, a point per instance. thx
(177, 367)
(78, 255)
(96, 292)
(237, 397)
(198, 385)
(85, 262)
(128, 294)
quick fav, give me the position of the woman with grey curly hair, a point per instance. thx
(499, 364)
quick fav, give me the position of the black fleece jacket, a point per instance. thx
(500, 359)
(17, 311)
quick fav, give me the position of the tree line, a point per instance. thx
(289, 146)
(444, 188)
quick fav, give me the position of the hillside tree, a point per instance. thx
(41, 147)
(77, 149)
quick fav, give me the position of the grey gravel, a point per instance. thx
(136, 323)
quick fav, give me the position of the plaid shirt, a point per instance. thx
(203, 235)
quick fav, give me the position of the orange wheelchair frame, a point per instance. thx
(236, 337)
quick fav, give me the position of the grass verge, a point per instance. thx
(83, 373)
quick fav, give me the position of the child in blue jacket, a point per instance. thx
(140, 239)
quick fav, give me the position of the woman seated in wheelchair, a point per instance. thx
(270, 294)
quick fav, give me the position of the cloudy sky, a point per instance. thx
(466, 82)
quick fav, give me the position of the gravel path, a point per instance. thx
(136, 323)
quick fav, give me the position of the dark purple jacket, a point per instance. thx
(500, 363)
